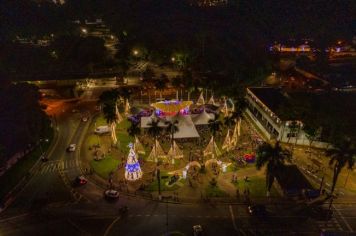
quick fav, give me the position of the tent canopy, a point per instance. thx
(202, 118)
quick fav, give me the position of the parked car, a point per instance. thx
(197, 230)
(102, 129)
(71, 147)
(257, 210)
(80, 180)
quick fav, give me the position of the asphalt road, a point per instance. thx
(50, 205)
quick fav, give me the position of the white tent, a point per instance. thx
(212, 149)
(227, 142)
(175, 151)
(157, 152)
(186, 127)
(203, 118)
(139, 147)
(201, 100)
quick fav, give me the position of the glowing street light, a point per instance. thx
(135, 52)
(173, 59)
(84, 31)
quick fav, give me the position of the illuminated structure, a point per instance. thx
(132, 169)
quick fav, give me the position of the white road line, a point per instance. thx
(343, 219)
(233, 218)
(110, 226)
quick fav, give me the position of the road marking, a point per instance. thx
(110, 226)
(343, 219)
(13, 217)
(233, 218)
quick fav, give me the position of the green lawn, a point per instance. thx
(256, 185)
(214, 191)
(21, 168)
(154, 185)
(122, 136)
(101, 120)
(105, 166)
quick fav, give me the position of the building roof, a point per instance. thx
(270, 97)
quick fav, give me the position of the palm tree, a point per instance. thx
(273, 157)
(134, 129)
(341, 154)
(229, 121)
(215, 125)
(172, 128)
(240, 106)
(154, 129)
(108, 100)
(161, 84)
(110, 115)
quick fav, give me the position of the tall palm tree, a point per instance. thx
(161, 84)
(341, 154)
(240, 106)
(172, 128)
(214, 125)
(108, 100)
(273, 157)
(229, 121)
(154, 130)
(110, 115)
(134, 129)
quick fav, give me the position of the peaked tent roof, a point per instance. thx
(203, 118)
(201, 100)
(127, 107)
(211, 100)
(227, 142)
(235, 135)
(138, 146)
(157, 152)
(175, 151)
(224, 109)
(212, 149)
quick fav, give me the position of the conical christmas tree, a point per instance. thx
(132, 169)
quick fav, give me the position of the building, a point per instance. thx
(264, 110)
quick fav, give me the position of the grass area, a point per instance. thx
(215, 191)
(105, 166)
(154, 185)
(256, 185)
(122, 136)
(21, 168)
(93, 140)
(101, 120)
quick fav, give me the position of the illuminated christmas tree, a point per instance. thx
(132, 169)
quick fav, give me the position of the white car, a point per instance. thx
(71, 147)
(111, 194)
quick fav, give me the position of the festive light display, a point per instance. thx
(132, 169)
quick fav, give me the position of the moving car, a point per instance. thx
(197, 230)
(257, 210)
(71, 147)
(111, 194)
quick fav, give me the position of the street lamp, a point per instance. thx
(84, 31)
(173, 59)
(135, 52)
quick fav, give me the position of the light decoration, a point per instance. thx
(132, 169)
